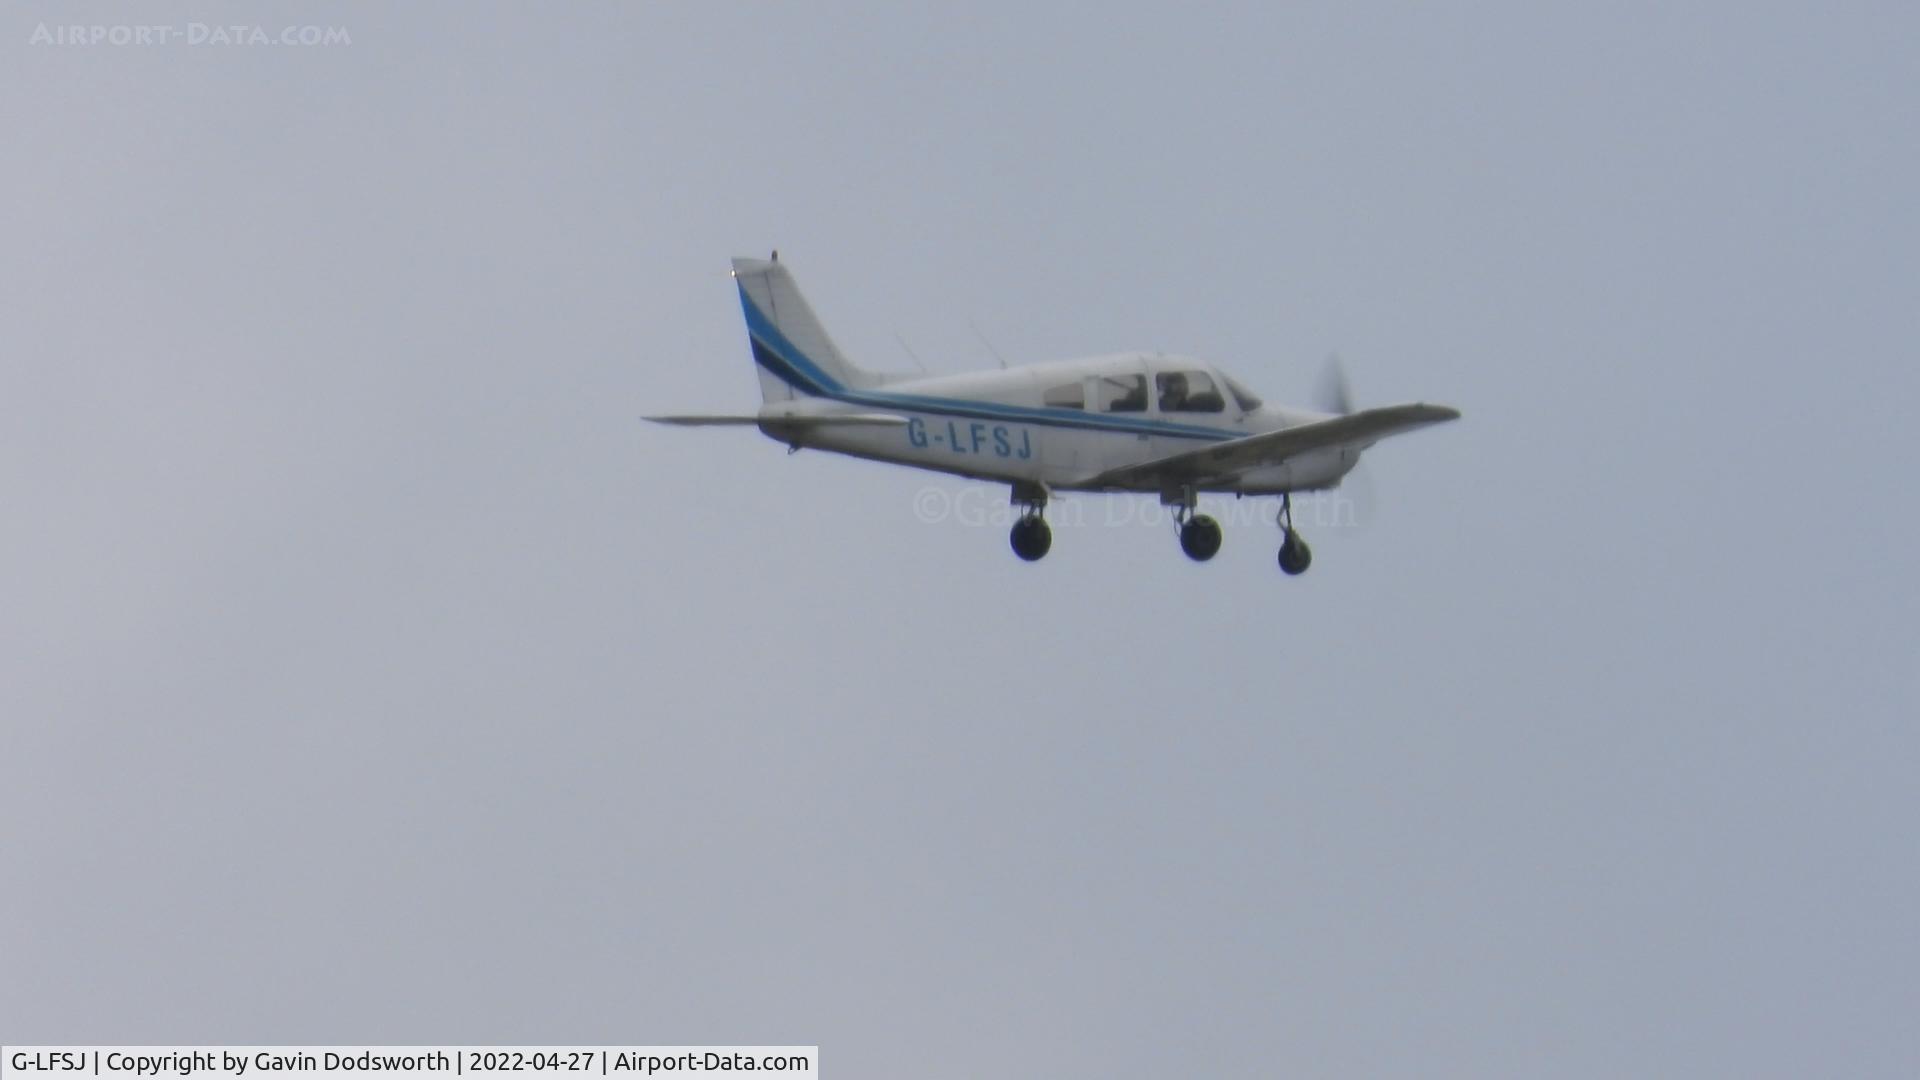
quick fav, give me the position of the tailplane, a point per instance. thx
(791, 349)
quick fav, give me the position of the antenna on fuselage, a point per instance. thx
(988, 344)
(916, 356)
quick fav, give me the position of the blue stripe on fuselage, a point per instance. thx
(775, 352)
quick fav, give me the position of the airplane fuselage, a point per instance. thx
(1056, 424)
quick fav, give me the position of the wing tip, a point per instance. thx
(1424, 411)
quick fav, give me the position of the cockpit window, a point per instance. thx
(1242, 396)
(1188, 391)
(1123, 393)
(1071, 395)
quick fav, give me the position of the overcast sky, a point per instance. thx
(369, 673)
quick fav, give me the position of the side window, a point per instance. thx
(1071, 395)
(1123, 393)
(1188, 391)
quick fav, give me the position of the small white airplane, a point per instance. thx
(1129, 422)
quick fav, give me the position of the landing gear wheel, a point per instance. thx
(1295, 555)
(1200, 538)
(1031, 538)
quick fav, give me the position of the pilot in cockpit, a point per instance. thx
(1173, 391)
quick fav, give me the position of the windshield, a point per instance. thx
(1243, 397)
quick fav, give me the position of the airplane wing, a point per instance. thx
(838, 420)
(1223, 460)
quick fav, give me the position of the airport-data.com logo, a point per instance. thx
(193, 35)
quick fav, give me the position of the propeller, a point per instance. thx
(1352, 502)
(1332, 393)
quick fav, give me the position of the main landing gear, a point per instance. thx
(1200, 537)
(1199, 534)
(1031, 538)
(1295, 555)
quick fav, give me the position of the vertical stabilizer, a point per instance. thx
(791, 349)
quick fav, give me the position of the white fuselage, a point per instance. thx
(1058, 424)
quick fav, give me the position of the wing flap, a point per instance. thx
(1222, 460)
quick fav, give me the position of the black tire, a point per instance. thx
(1295, 555)
(1031, 538)
(1200, 538)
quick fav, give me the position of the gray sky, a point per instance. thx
(370, 674)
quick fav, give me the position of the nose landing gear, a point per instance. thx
(1295, 555)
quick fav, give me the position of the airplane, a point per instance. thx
(1137, 422)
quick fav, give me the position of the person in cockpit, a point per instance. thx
(1173, 391)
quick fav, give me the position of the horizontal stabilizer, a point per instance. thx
(705, 421)
(776, 420)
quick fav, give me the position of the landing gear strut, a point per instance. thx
(1031, 538)
(1295, 555)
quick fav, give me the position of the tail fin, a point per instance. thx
(794, 354)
